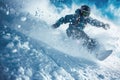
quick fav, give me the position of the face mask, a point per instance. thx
(85, 13)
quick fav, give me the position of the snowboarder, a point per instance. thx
(77, 23)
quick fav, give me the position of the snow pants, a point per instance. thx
(80, 34)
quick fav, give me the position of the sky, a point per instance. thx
(108, 8)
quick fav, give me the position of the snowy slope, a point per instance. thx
(31, 50)
(24, 58)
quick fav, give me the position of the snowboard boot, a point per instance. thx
(90, 44)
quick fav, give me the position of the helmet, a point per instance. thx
(85, 10)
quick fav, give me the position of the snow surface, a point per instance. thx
(31, 50)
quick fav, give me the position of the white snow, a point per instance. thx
(14, 50)
(29, 72)
(7, 13)
(61, 74)
(23, 18)
(10, 45)
(7, 36)
(21, 70)
(19, 26)
(58, 39)
(24, 45)
(69, 68)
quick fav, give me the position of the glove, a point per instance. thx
(55, 26)
(106, 26)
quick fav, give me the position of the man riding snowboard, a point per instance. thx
(77, 23)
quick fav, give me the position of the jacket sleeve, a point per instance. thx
(95, 22)
(66, 19)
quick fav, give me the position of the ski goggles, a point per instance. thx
(85, 13)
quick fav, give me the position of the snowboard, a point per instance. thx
(98, 50)
(103, 54)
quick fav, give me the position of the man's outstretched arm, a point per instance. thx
(97, 23)
(66, 19)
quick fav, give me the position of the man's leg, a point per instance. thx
(79, 34)
(88, 42)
